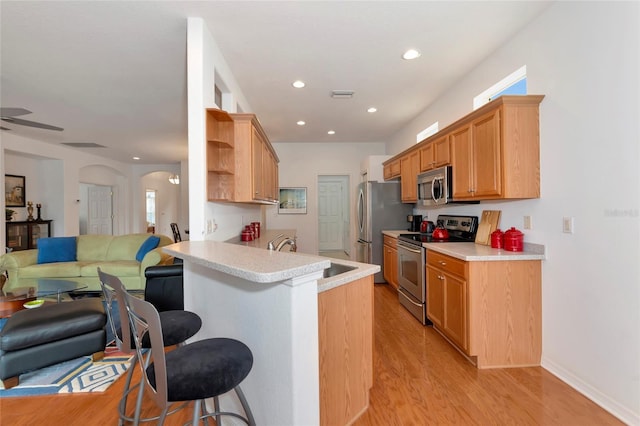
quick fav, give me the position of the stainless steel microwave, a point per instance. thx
(434, 187)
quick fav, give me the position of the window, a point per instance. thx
(513, 84)
(151, 206)
(431, 130)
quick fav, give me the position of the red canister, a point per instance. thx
(247, 235)
(256, 229)
(497, 239)
(513, 240)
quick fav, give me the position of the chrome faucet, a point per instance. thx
(271, 245)
(290, 241)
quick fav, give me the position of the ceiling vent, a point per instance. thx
(83, 145)
(342, 94)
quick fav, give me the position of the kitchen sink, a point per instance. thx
(336, 269)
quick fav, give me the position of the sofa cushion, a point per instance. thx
(119, 268)
(125, 247)
(56, 249)
(149, 244)
(93, 247)
(52, 270)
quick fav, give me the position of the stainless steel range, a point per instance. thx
(412, 291)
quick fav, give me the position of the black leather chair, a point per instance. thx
(164, 288)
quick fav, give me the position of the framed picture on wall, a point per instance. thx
(14, 192)
(292, 201)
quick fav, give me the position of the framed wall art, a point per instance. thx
(292, 201)
(14, 192)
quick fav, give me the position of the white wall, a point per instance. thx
(584, 56)
(300, 165)
(53, 176)
(205, 63)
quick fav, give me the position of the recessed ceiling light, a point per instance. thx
(136, 158)
(298, 84)
(411, 54)
(372, 109)
(301, 123)
(331, 132)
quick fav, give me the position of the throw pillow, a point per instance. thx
(149, 244)
(57, 249)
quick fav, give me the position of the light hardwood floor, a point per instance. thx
(419, 380)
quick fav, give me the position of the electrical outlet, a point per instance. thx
(527, 222)
(567, 225)
(209, 226)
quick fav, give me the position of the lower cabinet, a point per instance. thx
(490, 310)
(345, 333)
(390, 261)
(447, 297)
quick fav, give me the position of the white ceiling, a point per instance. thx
(114, 72)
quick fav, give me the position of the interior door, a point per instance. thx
(330, 215)
(100, 210)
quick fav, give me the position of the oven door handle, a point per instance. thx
(418, 251)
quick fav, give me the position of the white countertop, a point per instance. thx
(478, 252)
(395, 234)
(252, 261)
(253, 264)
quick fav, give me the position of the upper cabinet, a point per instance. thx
(391, 170)
(242, 166)
(409, 165)
(435, 154)
(494, 152)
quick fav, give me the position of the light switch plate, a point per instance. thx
(567, 225)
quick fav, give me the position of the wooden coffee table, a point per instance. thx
(13, 300)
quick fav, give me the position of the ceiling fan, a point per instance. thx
(9, 114)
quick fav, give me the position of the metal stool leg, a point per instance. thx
(245, 406)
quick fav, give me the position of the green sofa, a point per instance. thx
(115, 255)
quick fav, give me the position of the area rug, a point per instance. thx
(74, 376)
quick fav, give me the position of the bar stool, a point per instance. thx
(177, 327)
(193, 372)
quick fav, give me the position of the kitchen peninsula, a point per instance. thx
(311, 337)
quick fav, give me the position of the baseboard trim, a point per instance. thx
(623, 413)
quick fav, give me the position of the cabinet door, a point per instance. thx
(435, 296)
(485, 133)
(390, 262)
(461, 162)
(409, 166)
(17, 236)
(441, 152)
(427, 158)
(455, 311)
(257, 166)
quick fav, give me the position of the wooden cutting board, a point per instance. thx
(489, 222)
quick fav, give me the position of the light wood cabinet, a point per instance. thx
(391, 170)
(435, 154)
(496, 155)
(409, 165)
(242, 166)
(345, 339)
(490, 310)
(447, 297)
(390, 260)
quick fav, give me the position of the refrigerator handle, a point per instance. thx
(361, 211)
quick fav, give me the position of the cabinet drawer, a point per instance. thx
(446, 263)
(390, 241)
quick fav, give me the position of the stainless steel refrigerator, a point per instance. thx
(379, 208)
